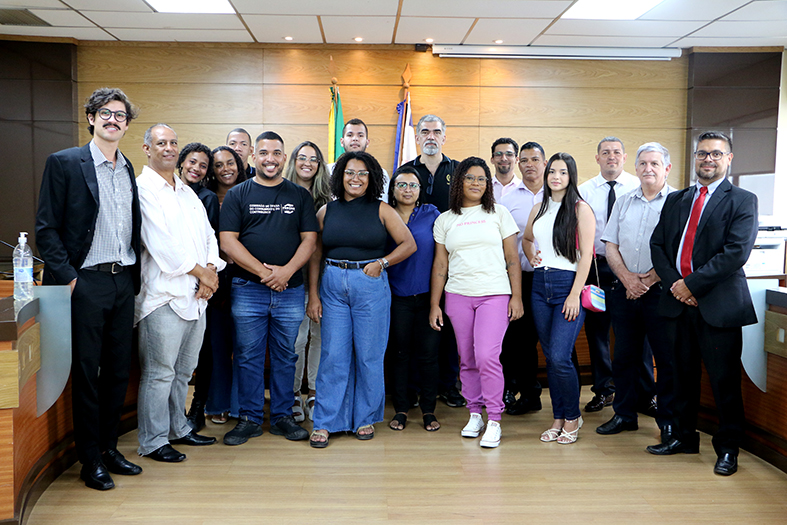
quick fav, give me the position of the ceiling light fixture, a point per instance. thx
(498, 41)
(288, 38)
(547, 52)
(428, 40)
(358, 39)
(213, 7)
(609, 9)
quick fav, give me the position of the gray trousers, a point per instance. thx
(168, 353)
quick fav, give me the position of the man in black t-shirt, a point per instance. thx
(269, 228)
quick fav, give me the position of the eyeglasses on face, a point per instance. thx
(714, 155)
(106, 114)
(304, 158)
(404, 185)
(501, 154)
(351, 174)
(470, 179)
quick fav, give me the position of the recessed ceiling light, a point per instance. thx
(428, 40)
(498, 41)
(213, 7)
(358, 39)
(609, 9)
(288, 38)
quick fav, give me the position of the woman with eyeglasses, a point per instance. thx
(477, 263)
(564, 228)
(414, 342)
(307, 168)
(226, 171)
(354, 300)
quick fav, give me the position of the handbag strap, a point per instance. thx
(595, 264)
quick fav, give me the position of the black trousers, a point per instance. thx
(519, 355)
(415, 344)
(102, 316)
(720, 349)
(597, 326)
(634, 322)
(448, 355)
(204, 370)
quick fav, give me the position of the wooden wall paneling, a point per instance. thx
(119, 64)
(366, 66)
(583, 107)
(607, 74)
(581, 143)
(7, 464)
(457, 106)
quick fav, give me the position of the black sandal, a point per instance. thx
(428, 420)
(400, 418)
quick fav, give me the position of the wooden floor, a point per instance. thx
(419, 477)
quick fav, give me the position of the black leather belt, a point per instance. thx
(347, 265)
(113, 268)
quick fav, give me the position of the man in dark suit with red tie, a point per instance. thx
(703, 239)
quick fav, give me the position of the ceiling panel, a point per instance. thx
(487, 8)
(603, 41)
(164, 20)
(373, 29)
(319, 7)
(80, 33)
(623, 27)
(24, 4)
(267, 28)
(710, 41)
(692, 9)
(413, 30)
(62, 17)
(109, 5)
(772, 10)
(518, 32)
(763, 28)
(181, 35)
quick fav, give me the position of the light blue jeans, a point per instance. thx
(355, 321)
(168, 353)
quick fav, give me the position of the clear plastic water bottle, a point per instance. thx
(23, 273)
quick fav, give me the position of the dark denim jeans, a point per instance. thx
(557, 336)
(264, 318)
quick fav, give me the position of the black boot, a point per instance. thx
(196, 415)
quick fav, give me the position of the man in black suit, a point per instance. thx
(703, 239)
(88, 233)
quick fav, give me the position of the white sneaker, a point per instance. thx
(473, 427)
(492, 435)
(297, 409)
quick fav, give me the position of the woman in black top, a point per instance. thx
(354, 299)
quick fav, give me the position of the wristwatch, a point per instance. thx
(383, 262)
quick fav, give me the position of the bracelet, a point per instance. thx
(382, 266)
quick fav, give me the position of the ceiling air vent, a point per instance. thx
(20, 17)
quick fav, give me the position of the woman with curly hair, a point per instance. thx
(354, 300)
(306, 167)
(564, 228)
(226, 171)
(477, 263)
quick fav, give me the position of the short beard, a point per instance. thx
(430, 149)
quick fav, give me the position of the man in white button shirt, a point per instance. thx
(634, 299)
(601, 192)
(504, 152)
(355, 137)
(180, 261)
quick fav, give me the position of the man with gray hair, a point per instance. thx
(633, 302)
(180, 261)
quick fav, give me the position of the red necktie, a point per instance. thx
(691, 231)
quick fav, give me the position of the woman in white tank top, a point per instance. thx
(564, 228)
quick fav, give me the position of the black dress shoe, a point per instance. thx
(616, 425)
(193, 439)
(196, 415)
(599, 401)
(523, 406)
(673, 446)
(95, 476)
(667, 433)
(116, 463)
(509, 398)
(166, 454)
(726, 465)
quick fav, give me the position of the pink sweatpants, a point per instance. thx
(480, 324)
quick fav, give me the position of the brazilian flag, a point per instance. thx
(335, 126)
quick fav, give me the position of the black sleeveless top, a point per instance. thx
(352, 231)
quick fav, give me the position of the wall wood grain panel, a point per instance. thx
(205, 90)
(585, 73)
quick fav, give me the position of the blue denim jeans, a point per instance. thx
(550, 290)
(265, 319)
(355, 322)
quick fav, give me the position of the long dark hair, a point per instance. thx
(404, 170)
(456, 190)
(564, 232)
(321, 183)
(211, 181)
(375, 185)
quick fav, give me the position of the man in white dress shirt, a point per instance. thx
(355, 137)
(180, 261)
(601, 192)
(504, 158)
